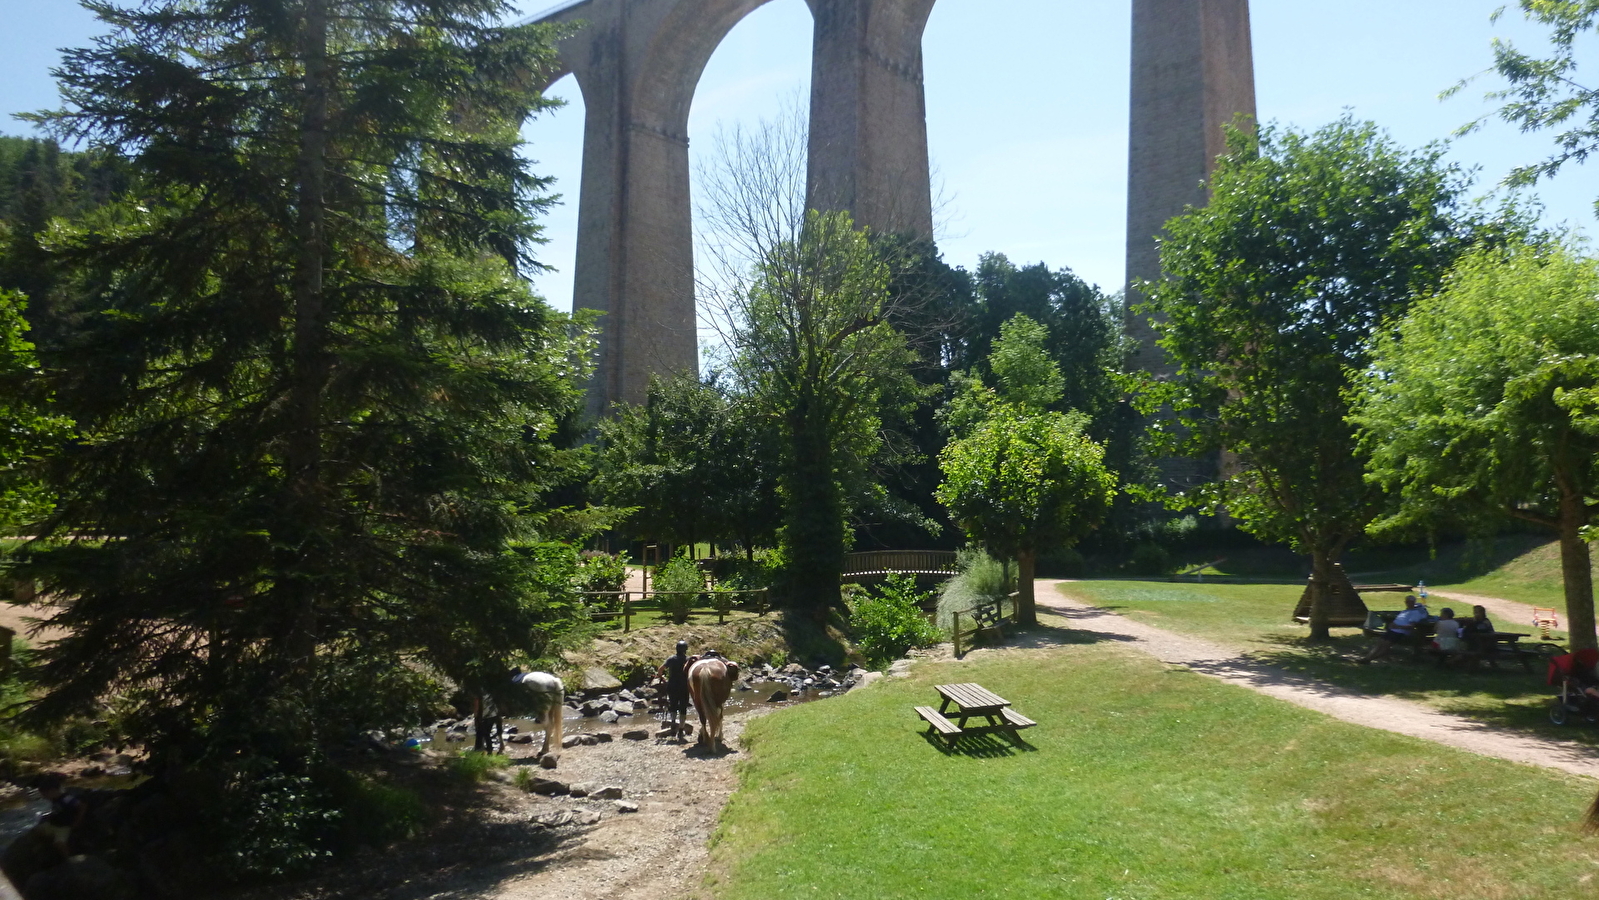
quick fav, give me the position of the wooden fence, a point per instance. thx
(981, 618)
(756, 600)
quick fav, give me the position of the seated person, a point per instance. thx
(1402, 630)
(1471, 630)
(1446, 633)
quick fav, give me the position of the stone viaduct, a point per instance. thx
(638, 62)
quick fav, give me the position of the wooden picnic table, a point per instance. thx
(972, 701)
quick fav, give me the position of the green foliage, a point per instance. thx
(889, 621)
(474, 766)
(1021, 482)
(277, 824)
(816, 348)
(40, 182)
(1273, 291)
(982, 580)
(1150, 559)
(1481, 404)
(316, 401)
(1026, 374)
(696, 462)
(1545, 92)
(678, 586)
(602, 572)
(27, 428)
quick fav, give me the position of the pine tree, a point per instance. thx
(314, 395)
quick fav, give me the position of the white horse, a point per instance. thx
(547, 695)
(710, 682)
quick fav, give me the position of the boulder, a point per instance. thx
(870, 678)
(637, 734)
(597, 679)
(609, 717)
(570, 741)
(549, 760)
(604, 737)
(520, 739)
(626, 806)
(793, 669)
(609, 792)
(777, 697)
(455, 736)
(582, 788)
(588, 740)
(595, 707)
(549, 787)
(562, 817)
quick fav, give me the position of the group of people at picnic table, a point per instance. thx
(1469, 638)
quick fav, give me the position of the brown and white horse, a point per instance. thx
(710, 682)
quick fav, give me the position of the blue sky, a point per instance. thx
(1027, 106)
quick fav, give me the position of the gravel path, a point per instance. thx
(1398, 716)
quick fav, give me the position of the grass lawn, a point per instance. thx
(1255, 619)
(1143, 783)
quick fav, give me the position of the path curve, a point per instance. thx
(1386, 713)
(1516, 615)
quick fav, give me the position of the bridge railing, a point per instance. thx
(910, 561)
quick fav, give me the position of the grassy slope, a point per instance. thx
(1255, 619)
(1145, 783)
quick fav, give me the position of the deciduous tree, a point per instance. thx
(1025, 481)
(1271, 295)
(1484, 403)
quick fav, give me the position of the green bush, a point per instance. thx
(890, 621)
(677, 588)
(598, 571)
(982, 580)
(1150, 559)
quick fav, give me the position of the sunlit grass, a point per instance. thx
(1143, 782)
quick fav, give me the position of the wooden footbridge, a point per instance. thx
(872, 566)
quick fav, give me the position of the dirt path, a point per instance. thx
(506, 852)
(1508, 615)
(1398, 716)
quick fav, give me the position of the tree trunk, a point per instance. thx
(303, 450)
(1576, 571)
(1321, 580)
(814, 518)
(1026, 608)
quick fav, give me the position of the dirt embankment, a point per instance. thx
(777, 638)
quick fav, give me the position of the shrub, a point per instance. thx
(982, 580)
(677, 588)
(889, 621)
(1150, 559)
(599, 571)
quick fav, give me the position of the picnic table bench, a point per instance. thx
(1494, 645)
(971, 701)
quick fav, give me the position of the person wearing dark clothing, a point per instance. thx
(675, 673)
(1472, 631)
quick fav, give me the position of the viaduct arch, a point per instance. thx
(638, 63)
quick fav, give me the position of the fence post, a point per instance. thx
(721, 609)
(627, 611)
(955, 631)
(765, 603)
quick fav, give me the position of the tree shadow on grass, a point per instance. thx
(1507, 698)
(1045, 635)
(979, 746)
